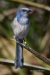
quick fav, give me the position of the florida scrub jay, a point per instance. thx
(20, 26)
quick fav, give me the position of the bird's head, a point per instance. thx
(23, 12)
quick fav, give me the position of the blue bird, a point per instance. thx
(20, 26)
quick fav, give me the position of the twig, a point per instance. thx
(42, 6)
(25, 65)
(10, 11)
(7, 13)
(43, 58)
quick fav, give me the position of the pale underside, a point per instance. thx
(20, 31)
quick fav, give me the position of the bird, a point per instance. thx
(20, 26)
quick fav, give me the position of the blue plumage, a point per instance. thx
(22, 15)
(20, 27)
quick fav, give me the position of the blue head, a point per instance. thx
(23, 12)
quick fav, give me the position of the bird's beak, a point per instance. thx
(29, 11)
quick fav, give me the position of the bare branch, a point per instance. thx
(43, 58)
(25, 65)
(33, 4)
(8, 13)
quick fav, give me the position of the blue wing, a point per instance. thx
(27, 22)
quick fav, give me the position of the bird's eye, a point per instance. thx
(24, 10)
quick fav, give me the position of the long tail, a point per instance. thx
(19, 54)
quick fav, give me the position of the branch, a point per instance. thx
(7, 13)
(33, 4)
(10, 11)
(43, 58)
(25, 65)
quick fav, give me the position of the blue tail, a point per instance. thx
(19, 54)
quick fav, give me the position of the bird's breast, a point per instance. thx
(23, 21)
(20, 30)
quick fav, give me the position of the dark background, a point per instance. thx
(38, 37)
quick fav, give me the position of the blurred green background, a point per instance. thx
(38, 37)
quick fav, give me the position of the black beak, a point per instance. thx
(29, 11)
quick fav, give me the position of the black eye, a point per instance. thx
(24, 10)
